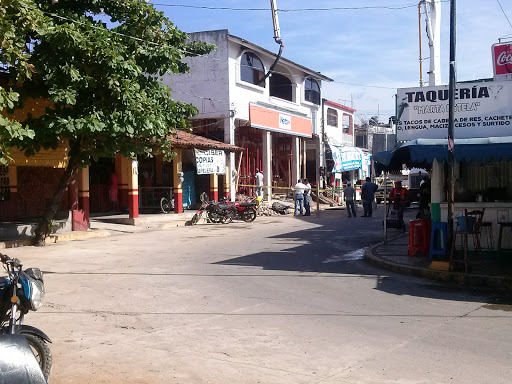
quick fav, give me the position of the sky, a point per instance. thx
(375, 48)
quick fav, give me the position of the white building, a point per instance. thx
(275, 120)
(343, 161)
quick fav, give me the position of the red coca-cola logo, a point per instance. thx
(503, 59)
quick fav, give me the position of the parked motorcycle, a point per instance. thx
(20, 292)
(216, 212)
(245, 210)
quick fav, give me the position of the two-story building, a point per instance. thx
(343, 160)
(275, 119)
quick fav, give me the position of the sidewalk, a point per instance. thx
(493, 272)
(107, 225)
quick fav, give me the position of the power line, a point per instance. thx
(502, 10)
(385, 7)
(193, 54)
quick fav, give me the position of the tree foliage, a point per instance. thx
(102, 82)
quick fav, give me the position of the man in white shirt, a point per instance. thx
(298, 190)
(307, 197)
(259, 182)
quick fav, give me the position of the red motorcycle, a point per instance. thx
(244, 210)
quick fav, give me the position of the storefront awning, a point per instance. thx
(345, 158)
(184, 139)
(422, 152)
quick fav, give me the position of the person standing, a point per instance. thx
(307, 197)
(298, 190)
(259, 182)
(368, 195)
(349, 192)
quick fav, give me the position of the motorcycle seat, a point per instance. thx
(224, 206)
(247, 204)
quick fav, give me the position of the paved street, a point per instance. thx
(280, 300)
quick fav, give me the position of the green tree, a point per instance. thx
(103, 82)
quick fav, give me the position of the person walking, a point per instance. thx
(349, 192)
(298, 190)
(307, 197)
(259, 182)
(368, 195)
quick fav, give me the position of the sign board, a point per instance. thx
(346, 158)
(278, 121)
(502, 61)
(210, 161)
(482, 109)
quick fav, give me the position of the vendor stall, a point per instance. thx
(483, 172)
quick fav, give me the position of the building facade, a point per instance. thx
(275, 119)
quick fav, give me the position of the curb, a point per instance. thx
(55, 238)
(465, 279)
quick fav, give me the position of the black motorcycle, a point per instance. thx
(215, 212)
(20, 292)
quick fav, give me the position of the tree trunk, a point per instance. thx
(50, 211)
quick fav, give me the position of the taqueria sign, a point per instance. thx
(482, 109)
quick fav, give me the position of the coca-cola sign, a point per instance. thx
(502, 58)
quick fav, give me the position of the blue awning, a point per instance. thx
(420, 152)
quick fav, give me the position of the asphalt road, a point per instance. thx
(280, 300)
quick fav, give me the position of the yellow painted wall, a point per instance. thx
(44, 158)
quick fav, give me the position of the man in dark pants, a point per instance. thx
(350, 194)
(368, 195)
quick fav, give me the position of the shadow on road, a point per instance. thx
(335, 249)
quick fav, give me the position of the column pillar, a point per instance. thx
(295, 159)
(83, 192)
(214, 187)
(227, 178)
(178, 185)
(267, 165)
(303, 141)
(437, 183)
(133, 188)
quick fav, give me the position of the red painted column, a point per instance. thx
(81, 214)
(178, 186)
(133, 189)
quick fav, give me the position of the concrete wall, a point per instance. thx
(206, 85)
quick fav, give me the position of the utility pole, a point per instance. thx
(433, 22)
(451, 118)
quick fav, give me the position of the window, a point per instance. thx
(251, 69)
(332, 117)
(281, 86)
(312, 91)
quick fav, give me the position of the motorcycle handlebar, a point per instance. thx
(7, 260)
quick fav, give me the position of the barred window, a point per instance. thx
(332, 117)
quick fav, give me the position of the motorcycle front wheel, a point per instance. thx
(249, 215)
(227, 217)
(195, 219)
(41, 352)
